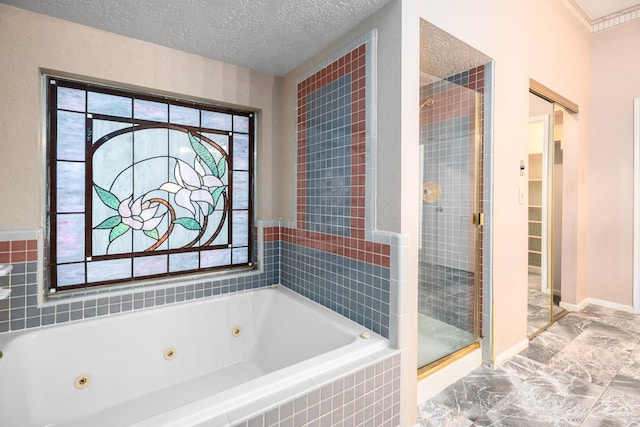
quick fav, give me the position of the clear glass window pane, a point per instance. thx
(71, 99)
(150, 110)
(240, 124)
(240, 255)
(70, 136)
(70, 238)
(241, 190)
(112, 105)
(215, 120)
(70, 194)
(183, 262)
(215, 258)
(70, 274)
(240, 228)
(240, 151)
(103, 271)
(149, 265)
(184, 115)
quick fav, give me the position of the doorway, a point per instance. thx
(544, 228)
(454, 93)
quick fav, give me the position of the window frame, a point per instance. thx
(50, 176)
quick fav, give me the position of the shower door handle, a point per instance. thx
(478, 218)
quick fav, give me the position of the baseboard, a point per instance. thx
(613, 305)
(506, 355)
(574, 307)
(595, 301)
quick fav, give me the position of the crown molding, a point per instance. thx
(578, 13)
(612, 20)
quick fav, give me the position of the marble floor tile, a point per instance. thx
(582, 371)
(622, 319)
(539, 299)
(507, 416)
(475, 394)
(433, 414)
(614, 409)
(570, 326)
(627, 381)
(609, 337)
(521, 366)
(548, 397)
(543, 347)
(587, 362)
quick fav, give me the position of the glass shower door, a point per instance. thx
(450, 257)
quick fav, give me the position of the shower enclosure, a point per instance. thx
(452, 110)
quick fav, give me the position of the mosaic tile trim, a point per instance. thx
(361, 250)
(368, 397)
(18, 251)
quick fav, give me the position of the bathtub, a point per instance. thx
(211, 362)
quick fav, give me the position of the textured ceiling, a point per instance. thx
(272, 36)
(442, 55)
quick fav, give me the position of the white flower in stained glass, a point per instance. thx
(139, 215)
(192, 190)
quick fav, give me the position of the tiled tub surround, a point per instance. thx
(328, 252)
(366, 396)
(22, 310)
(356, 289)
(231, 357)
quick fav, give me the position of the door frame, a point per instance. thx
(636, 205)
(546, 207)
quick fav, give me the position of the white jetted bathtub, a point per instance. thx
(206, 362)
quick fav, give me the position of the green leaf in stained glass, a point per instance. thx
(106, 197)
(118, 231)
(222, 167)
(217, 193)
(204, 154)
(188, 223)
(153, 234)
(109, 222)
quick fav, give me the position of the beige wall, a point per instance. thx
(538, 39)
(616, 81)
(31, 42)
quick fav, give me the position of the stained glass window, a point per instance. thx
(142, 186)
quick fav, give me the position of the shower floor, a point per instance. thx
(437, 339)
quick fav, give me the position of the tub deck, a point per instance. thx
(250, 348)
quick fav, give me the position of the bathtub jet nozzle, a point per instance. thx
(82, 381)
